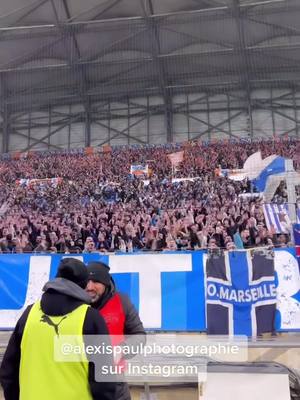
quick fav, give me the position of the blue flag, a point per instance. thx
(296, 228)
(241, 293)
(277, 166)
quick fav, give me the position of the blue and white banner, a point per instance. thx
(287, 269)
(296, 230)
(241, 293)
(271, 165)
(167, 289)
(277, 217)
(139, 170)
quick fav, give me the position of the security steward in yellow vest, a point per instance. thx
(29, 370)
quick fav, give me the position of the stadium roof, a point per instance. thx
(69, 51)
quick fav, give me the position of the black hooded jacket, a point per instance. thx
(133, 326)
(60, 298)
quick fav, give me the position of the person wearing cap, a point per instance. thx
(29, 370)
(117, 310)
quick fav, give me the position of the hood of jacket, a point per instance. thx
(62, 296)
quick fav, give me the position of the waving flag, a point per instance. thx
(54, 182)
(276, 166)
(176, 158)
(139, 170)
(277, 217)
(256, 169)
(233, 174)
(106, 148)
(88, 151)
(296, 228)
(16, 155)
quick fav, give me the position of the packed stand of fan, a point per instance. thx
(74, 202)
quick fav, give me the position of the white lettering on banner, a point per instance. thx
(273, 291)
(241, 296)
(149, 269)
(211, 290)
(233, 296)
(39, 270)
(224, 293)
(254, 293)
(247, 295)
(287, 269)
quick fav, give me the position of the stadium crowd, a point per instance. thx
(98, 206)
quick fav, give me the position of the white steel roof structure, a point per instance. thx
(61, 52)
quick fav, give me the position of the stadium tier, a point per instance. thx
(78, 202)
(149, 199)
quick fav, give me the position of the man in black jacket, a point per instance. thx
(64, 300)
(118, 312)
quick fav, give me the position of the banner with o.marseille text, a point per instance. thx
(241, 292)
(170, 290)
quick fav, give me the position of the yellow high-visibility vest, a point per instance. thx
(40, 376)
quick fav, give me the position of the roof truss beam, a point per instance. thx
(28, 9)
(71, 120)
(123, 132)
(212, 126)
(34, 140)
(231, 118)
(100, 9)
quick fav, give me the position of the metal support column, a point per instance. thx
(168, 116)
(49, 124)
(29, 129)
(296, 114)
(243, 50)
(5, 115)
(188, 117)
(208, 118)
(69, 130)
(109, 122)
(87, 136)
(162, 76)
(5, 137)
(272, 115)
(128, 120)
(229, 113)
(70, 42)
(148, 120)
